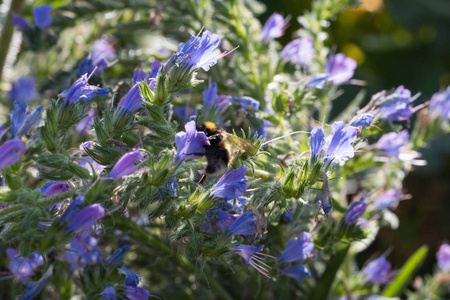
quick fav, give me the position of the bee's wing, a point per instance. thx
(239, 145)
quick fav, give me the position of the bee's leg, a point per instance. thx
(202, 179)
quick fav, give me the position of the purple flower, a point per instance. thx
(362, 120)
(440, 105)
(131, 101)
(11, 152)
(262, 131)
(109, 293)
(232, 185)
(377, 271)
(324, 197)
(211, 99)
(85, 164)
(35, 287)
(300, 51)
(396, 106)
(126, 164)
(391, 142)
(274, 27)
(21, 122)
(245, 102)
(72, 209)
(297, 250)
(387, 199)
(198, 52)
(117, 257)
(131, 278)
(355, 211)
(318, 81)
(219, 221)
(82, 90)
(24, 89)
(245, 225)
(190, 144)
(339, 145)
(254, 258)
(20, 23)
(82, 251)
(288, 214)
(137, 293)
(139, 75)
(97, 59)
(317, 141)
(85, 125)
(443, 257)
(297, 272)
(22, 267)
(87, 217)
(53, 188)
(42, 16)
(340, 68)
(169, 188)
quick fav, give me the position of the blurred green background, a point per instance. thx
(398, 42)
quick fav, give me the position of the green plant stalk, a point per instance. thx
(8, 30)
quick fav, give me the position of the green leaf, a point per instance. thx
(407, 271)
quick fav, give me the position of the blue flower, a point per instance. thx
(20, 23)
(245, 225)
(131, 278)
(131, 101)
(87, 217)
(274, 27)
(24, 89)
(387, 199)
(297, 250)
(231, 185)
(355, 211)
(362, 120)
(72, 209)
(126, 164)
(109, 293)
(324, 197)
(318, 81)
(300, 51)
(340, 68)
(198, 52)
(22, 267)
(82, 90)
(97, 59)
(377, 271)
(440, 105)
(391, 142)
(11, 152)
(35, 287)
(339, 145)
(245, 102)
(395, 106)
(212, 99)
(169, 188)
(117, 257)
(190, 144)
(137, 293)
(253, 257)
(21, 122)
(288, 214)
(52, 188)
(218, 220)
(297, 272)
(317, 141)
(42, 16)
(262, 131)
(139, 74)
(82, 251)
(443, 257)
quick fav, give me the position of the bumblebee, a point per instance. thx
(223, 149)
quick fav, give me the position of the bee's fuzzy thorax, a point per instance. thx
(210, 127)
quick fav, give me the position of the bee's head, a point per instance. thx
(209, 128)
